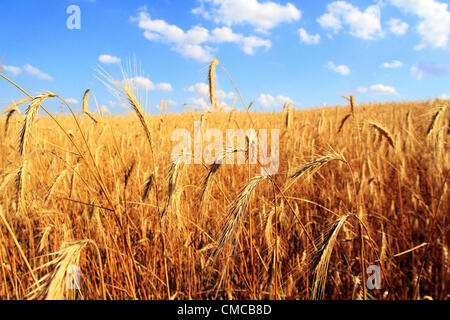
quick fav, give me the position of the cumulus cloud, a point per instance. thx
(164, 87)
(425, 68)
(268, 101)
(394, 64)
(192, 43)
(202, 100)
(144, 83)
(444, 97)
(308, 38)
(72, 101)
(434, 26)
(263, 16)
(398, 27)
(342, 69)
(37, 73)
(364, 24)
(378, 89)
(12, 69)
(107, 59)
(141, 83)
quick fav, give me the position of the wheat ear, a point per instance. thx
(172, 178)
(13, 108)
(30, 115)
(321, 258)
(384, 132)
(434, 120)
(212, 79)
(212, 171)
(148, 186)
(53, 286)
(237, 213)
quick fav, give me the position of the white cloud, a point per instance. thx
(434, 26)
(308, 38)
(164, 87)
(444, 97)
(107, 59)
(249, 44)
(430, 69)
(202, 100)
(398, 27)
(202, 90)
(394, 64)
(72, 101)
(193, 42)
(269, 101)
(36, 72)
(140, 83)
(342, 69)
(378, 89)
(13, 70)
(263, 16)
(145, 84)
(362, 24)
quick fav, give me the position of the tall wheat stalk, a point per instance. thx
(237, 213)
(322, 258)
(29, 119)
(212, 86)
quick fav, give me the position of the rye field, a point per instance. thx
(93, 206)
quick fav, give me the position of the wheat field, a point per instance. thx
(357, 186)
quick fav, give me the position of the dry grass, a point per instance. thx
(94, 195)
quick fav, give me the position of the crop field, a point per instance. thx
(94, 206)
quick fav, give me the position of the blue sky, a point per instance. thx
(308, 52)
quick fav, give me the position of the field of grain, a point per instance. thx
(357, 186)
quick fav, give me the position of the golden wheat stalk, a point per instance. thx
(148, 186)
(211, 80)
(314, 165)
(321, 258)
(343, 121)
(30, 115)
(53, 285)
(134, 102)
(213, 169)
(51, 190)
(128, 173)
(20, 177)
(15, 104)
(206, 182)
(17, 243)
(383, 131)
(288, 109)
(44, 239)
(172, 178)
(91, 115)
(85, 106)
(237, 213)
(351, 100)
(11, 109)
(6, 179)
(8, 118)
(434, 120)
(85, 101)
(352, 104)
